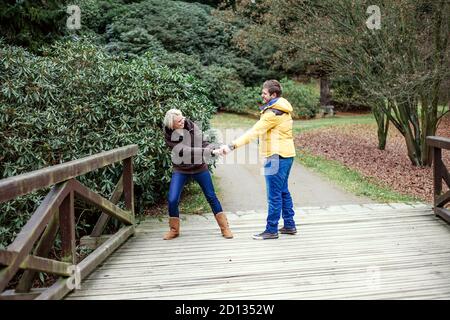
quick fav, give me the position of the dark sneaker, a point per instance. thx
(265, 236)
(288, 230)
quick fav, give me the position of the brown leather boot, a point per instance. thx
(223, 224)
(174, 224)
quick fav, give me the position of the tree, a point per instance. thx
(31, 23)
(401, 68)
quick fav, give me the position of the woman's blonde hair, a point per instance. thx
(170, 116)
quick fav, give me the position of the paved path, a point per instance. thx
(242, 187)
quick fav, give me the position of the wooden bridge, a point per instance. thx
(373, 251)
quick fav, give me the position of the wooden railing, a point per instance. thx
(30, 249)
(440, 172)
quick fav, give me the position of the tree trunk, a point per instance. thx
(324, 91)
(413, 149)
(383, 125)
(429, 128)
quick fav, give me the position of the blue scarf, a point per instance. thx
(269, 104)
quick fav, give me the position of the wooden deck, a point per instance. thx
(372, 251)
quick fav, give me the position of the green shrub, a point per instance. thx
(348, 95)
(246, 100)
(304, 99)
(188, 36)
(76, 101)
(32, 23)
(221, 83)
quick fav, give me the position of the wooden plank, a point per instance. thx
(57, 291)
(101, 203)
(443, 213)
(246, 274)
(445, 175)
(267, 290)
(13, 187)
(104, 218)
(244, 285)
(128, 186)
(164, 284)
(239, 266)
(117, 263)
(94, 242)
(374, 251)
(438, 142)
(442, 199)
(101, 253)
(36, 263)
(437, 171)
(25, 240)
(42, 250)
(67, 229)
(12, 295)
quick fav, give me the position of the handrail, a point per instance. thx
(440, 174)
(438, 142)
(57, 211)
(19, 185)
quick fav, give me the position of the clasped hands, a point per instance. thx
(223, 150)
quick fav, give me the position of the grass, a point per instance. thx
(223, 120)
(350, 180)
(302, 125)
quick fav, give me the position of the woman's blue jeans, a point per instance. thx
(176, 187)
(276, 172)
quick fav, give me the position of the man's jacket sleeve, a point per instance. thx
(267, 122)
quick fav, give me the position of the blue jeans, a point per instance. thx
(176, 187)
(276, 172)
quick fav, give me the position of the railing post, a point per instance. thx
(437, 172)
(440, 174)
(128, 186)
(42, 249)
(67, 229)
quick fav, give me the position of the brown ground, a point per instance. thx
(356, 147)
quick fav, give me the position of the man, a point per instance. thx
(276, 145)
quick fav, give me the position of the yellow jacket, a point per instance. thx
(274, 131)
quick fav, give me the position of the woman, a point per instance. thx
(189, 151)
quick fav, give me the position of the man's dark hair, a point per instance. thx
(273, 86)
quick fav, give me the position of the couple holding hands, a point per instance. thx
(276, 146)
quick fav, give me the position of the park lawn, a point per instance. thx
(224, 120)
(350, 180)
(339, 119)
